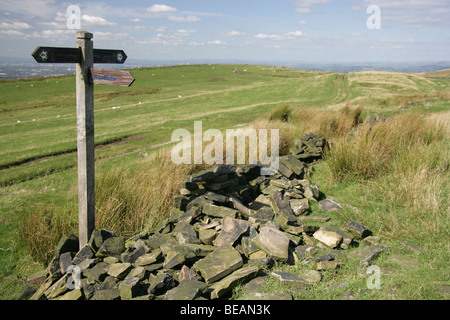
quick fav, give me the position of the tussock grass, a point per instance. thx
(402, 142)
(130, 200)
(42, 227)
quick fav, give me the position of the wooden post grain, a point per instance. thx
(85, 137)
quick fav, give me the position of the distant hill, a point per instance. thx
(437, 74)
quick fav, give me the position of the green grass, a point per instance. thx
(38, 158)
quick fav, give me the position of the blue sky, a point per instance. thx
(283, 30)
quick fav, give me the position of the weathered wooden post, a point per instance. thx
(84, 55)
(85, 137)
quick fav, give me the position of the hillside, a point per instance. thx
(38, 145)
(444, 74)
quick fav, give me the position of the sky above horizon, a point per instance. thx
(320, 31)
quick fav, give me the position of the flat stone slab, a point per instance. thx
(329, 205)
(120, 270)
(186, 290)
(232, 229)
(325, 265)
(219, 263)
(299, 206)
(366, 254)
(226, 284)
(312, 276)
(330, 238)
(274, 242)
(218, 211)
(291, 279)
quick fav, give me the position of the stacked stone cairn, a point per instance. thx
(229, 225)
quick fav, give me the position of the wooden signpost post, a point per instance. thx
(84, 55)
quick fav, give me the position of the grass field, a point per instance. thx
(133, 126)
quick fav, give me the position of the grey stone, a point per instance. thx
(291, 280)
(65, 261)
(207, 236)
(219, 211)
(176, 255)
(109, 294)
(232, 229)
(366, 255)
(131, 257)
(187, 273)
(113, 246)
(283, 212)
(149, 258)
(329, 238)
(299, 206)
(120, 270)
(84, 254)
(329, 205)
(98, 237)
(293, 164)
(72, 295)
(274, 242)
(67, 243)
(255, 284)
(219, 263)
(226, 284)
(97, 273)
(186, 290)
(58, 288)
(358, 230)
(161, 284)
(331, 234)
(325, 265)
(312, 276)
(157, 240)
(130, 288)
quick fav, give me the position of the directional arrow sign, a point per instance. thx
(109, 56)
(57, 55)
(73, 55)
(112, 77)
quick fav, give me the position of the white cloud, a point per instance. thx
(234, 33)
(217, 43)
(280, 36)
(184, 19)
(11, 34)
(161, 29)
(303, 22)
(297, 33)
(15, 25)
(196, 44)
(96, 21)
(160, 8)
(184, 32)
(135, 20)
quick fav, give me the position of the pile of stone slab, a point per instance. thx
(228, 225)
